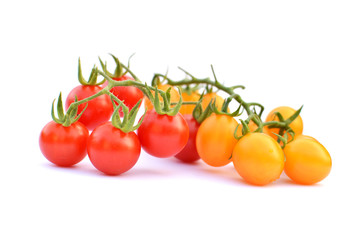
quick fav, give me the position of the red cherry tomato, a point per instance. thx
(163, 135)
(98, 111)
(112, 151)
(129, 94)
(189, 153)
(64, 146)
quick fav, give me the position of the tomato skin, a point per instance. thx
(305, 136)
(286, 112)
(258, 159)
(64, 146)
(174, 95)
(112, 151)
(193, 97)
(215, 139)
(189, 153)
(98, 111)
(129, 94)
(307, 161)
(162, 135)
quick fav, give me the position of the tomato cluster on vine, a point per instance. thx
(185, 119)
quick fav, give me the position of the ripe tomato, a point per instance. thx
(258, 159)
(189, 153)
(129, 94)
(64, 146)
(98, 111)
(193, 97)
(207, 98)
(215, 139)
(175, 96)
(286, 112)
(112, 151)
(163, 135)
(307, 161)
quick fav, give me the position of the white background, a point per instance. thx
(284, 52)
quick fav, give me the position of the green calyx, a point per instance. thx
(285, 122)
(199, 114)
(127, 123)
(283, 136)
(284, 125)
(68, 118)
(245, 130)
(164, 107)
(119, 69)
(245, 126)
(224, 108)
(92, 78)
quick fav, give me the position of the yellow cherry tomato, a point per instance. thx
(307, 161)
(215, 139)
(286, 112)
(258, 159)
(193, 97)
(175, 96)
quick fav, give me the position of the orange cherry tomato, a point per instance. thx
(193, 97)
(252, 126)
(258, 159)
(207, 98)
(175, 96)
(286, 112)
(307, 161)
(215, 139)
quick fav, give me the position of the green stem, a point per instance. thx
(275, 124)
(85, 100)
(219, 86)
(185, 103)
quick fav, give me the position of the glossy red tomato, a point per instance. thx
(64, 146)
(129, 94)
(163, 135)
(189, 153)
(98, 111)
(112, 151)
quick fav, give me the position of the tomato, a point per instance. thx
(163, 135)
(129, 94)
(286, 112)
(307, 161)
(258, 159)
(207, 98)
(175, 96)
(215, 139)
(189, 153)
(98, 111)
(112, 151)
(64, 146)
(193, 97)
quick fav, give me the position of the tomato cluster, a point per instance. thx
(188, 125)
